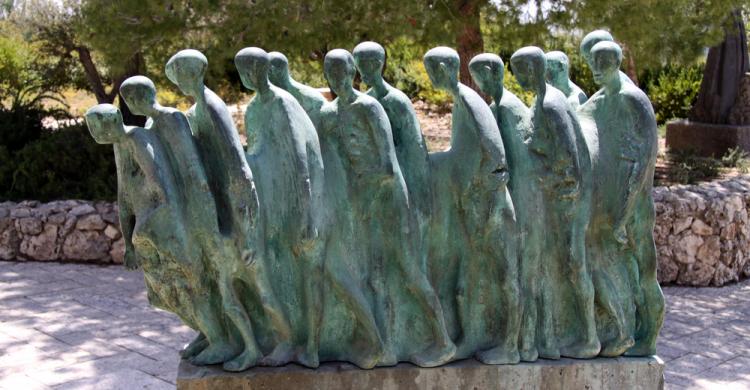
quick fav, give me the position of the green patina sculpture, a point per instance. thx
(592, 39)
(620, 235)
(513, 120)
(171, 129)
(336, 237)
(476, 219)
(566, 192)
(558, 75)
(289, 173)
(380, 210)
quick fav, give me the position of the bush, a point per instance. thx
(673, 90)
(59, 164)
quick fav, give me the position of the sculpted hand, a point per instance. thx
(248, 256)
(621, 234)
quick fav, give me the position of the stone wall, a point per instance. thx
(702, 232)
(60, 231)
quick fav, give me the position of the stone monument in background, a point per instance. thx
(720, 118)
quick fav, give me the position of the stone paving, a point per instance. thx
(76, 326)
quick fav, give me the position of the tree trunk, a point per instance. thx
(630, 69)
(99, 89)
(133, 69)
(93, 77)
(469, 36)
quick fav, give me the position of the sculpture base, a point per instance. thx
(705, 139)
(602, 373)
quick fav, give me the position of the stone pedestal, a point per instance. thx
(602, 373)
(706, 139)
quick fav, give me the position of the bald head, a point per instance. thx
(139, 93)
(339, 70)
(442, 65)
(278, 72)
(557, 68)
(592, 39)
(105, 123)
(488, 72)
(252, 64)
(369, 58)
(606, 58)
(186, 70)
(529, 66)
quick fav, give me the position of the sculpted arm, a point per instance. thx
(193, 163)
(641, 154)
(127, 217)
(570, 167)
(378, 121)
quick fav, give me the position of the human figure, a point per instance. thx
(475, 166)
(310, 98)
(286, 157)
(172, 129)
(157, 233)
(379, 205)
(592, 39)
(232, 187)
(513, 120)
(558, 75)
(624, 209)
(566, 189)
(312, 101)
(411, 150)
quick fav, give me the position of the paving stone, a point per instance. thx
(80, 326)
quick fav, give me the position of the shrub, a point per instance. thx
(60, 164)
(673, 90)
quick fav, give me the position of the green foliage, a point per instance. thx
(673, 90)
(26, 79)
(736, 158)
(687, 168)
(42, 164)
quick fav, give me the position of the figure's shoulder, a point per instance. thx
(511, 102)
(367, 103)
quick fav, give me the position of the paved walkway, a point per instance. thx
(75, 326)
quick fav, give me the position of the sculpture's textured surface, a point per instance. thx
(558, 74)
(529, 237)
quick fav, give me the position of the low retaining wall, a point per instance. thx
(702, 232)
(66, 230)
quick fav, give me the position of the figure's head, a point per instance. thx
(105, 123)
(278, 72)
(592, 39)
(558, 67)
(529, 66)
(488, 71)
(442, 65)
(338, 67)
(606, 58)
(369, 58)
(186, 70)
(252, 63)
(139, 93)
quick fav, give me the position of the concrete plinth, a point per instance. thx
(602, 373)
(706, 139)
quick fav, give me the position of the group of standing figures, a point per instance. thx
(337, 236)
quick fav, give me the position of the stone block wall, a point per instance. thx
(67, 230)
(702, 232)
